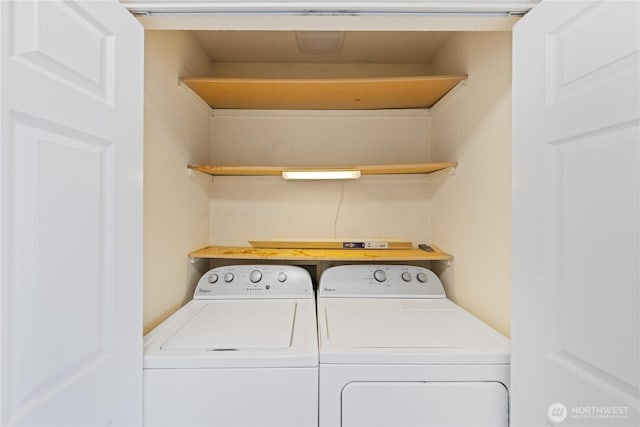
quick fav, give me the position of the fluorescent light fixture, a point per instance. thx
(321, 174)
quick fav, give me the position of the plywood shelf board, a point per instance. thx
(238, 252)
(324, 94)
(413, 168)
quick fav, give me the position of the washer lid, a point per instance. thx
(405, 330)
(208, 334)
(229, 326)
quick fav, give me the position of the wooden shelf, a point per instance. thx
(235, 252)
(323, 94)
(413, 168)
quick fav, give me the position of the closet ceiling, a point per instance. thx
(348, 47)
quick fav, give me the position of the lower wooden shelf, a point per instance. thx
(238, 252)
(401, 169)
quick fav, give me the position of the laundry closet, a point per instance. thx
(464, 210)
(521, 175)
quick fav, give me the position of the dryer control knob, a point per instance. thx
(255, 276)
(282, 276)
(380, 275)
(422, 277)
(228, 277)
(406, 276)
(213, 278)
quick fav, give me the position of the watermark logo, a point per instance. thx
(557, 413)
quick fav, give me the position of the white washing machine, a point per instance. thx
(243, 352)
(395, 352)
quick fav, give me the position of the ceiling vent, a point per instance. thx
(320, 42)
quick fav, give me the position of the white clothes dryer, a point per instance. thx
(243, 352)
(395, 352)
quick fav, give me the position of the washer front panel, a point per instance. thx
(273, 397)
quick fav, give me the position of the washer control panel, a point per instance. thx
(255, 281)
(380, 281)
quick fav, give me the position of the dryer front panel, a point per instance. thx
(444, 404)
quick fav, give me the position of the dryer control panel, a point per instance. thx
(380, 281)
(255, 282)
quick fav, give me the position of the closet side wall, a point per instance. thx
(176, 205)
(471, 211)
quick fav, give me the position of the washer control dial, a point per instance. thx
(228, 277)
(380, 275)
(282, 277)
(422, 277)
(406, 276)
(255, 276)
(212, 278)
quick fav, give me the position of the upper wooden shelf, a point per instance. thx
(412, 168)
(236, 252)
(323, 94)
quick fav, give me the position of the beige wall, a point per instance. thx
(263, 208)
(310, 71)
(176, 206)
(471, 211)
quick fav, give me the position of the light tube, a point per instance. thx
(320, 174)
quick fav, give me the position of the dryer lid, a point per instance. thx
(235, 325)
(398, 330)
(397, 324)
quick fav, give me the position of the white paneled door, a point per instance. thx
(576, 215)
(71, 82)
